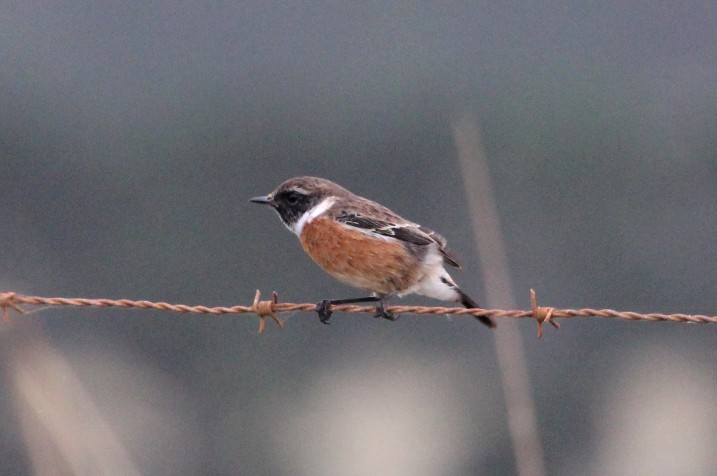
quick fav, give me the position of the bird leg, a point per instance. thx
(323, 308)
(381, 309)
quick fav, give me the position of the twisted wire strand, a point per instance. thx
(270, 308)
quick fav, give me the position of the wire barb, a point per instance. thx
(266, 308)
(270, 308)
(541, 314)
(8, 300)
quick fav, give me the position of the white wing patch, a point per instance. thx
(387, 232)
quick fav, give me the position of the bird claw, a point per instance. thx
(323, 309)
(382, 312)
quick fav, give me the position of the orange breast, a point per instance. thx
(374, 264)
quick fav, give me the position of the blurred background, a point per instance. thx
(133, 133)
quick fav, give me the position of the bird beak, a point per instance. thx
(264, 200)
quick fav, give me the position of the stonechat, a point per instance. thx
(365, 245)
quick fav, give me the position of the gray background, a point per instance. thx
(132, 134)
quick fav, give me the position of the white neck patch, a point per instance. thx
(309, 215)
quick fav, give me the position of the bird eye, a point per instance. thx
(292, 198)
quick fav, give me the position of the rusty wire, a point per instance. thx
(270, 308)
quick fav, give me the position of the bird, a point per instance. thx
(365, 245)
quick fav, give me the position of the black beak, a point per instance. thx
(264, 200)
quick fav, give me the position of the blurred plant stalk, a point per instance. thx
(522, 422)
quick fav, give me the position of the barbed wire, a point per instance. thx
(270, 308)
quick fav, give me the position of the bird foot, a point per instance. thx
(382, 312)
(323, 309)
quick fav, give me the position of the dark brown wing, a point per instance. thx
(405, 232)
(408, 232)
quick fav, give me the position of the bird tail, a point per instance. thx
(470, 303)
